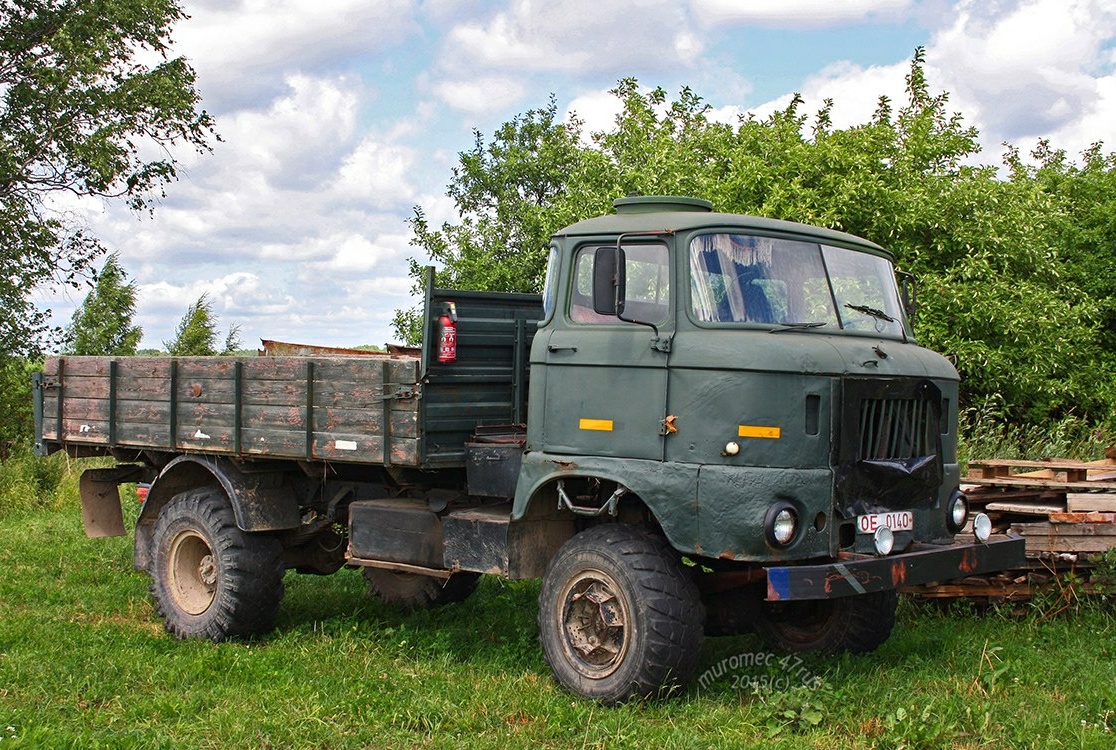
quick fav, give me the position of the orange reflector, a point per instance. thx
(753, 431)
(600, 425)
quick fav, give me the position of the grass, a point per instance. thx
(84, 663)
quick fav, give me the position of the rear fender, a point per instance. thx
(261, 501)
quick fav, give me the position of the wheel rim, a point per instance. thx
(594, 623)
(193, 572)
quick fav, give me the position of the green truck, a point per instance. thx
(707, 424)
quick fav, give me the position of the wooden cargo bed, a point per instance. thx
(403, 407)
(332, 408)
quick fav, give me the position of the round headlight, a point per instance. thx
(782, 524)
(885, 541)
(982, 527)
(958, 512)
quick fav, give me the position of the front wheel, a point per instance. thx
(210, 579)
(618, 617)
(857, 624)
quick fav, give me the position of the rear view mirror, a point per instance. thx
(608, 281)
(908, 293)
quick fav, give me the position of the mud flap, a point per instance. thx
(101, 511)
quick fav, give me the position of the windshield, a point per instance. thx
(736, 278)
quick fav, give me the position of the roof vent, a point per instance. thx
(649, 204)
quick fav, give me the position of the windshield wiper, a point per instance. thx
(795, 327)
(880, 314)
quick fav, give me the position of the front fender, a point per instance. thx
(668, 489)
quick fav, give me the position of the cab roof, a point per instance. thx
(669, 213)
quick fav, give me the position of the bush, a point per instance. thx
(28, 482)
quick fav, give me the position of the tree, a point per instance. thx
(196, 335)
(103, 323)
(1015, 273)
(505, 192)
(90, 105)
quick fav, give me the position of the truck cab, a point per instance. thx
(767, 367)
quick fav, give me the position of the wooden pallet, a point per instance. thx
(1066, 511)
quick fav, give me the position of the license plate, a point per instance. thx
(897, 520)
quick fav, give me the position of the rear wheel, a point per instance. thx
(415, 591)
(618, 618)
(854, 623)
(210, 579)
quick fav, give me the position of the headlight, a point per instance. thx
(958, 512)
(982, 527)
(884, 541)
(781, 524)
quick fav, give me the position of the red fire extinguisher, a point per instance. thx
(447, 334)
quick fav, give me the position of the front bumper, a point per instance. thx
(863, 574)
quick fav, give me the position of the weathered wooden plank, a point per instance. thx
(1085, 502)
(1022, 464)
(1017, 481)
(141, 367)
(1087, 517)
(365, 421)
(77, 408)
(143, 435)
(210, 440)
(1067, 529)
(85, 430)
(1036, 545)
(341, 447)
(270, 442)
(1034, 509)
(83, 366)
(1045, 537)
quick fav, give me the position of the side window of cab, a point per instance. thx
(647, 297)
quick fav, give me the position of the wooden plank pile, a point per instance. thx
(1066, 511)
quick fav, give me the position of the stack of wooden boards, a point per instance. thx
(1065, 509)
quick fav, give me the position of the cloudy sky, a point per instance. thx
(339, 116)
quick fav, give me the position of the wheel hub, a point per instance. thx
(595, 623)
(193, 572)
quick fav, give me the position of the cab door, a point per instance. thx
(606, 379)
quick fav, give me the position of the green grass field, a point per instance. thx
(85, 664)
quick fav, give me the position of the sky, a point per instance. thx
(338, 117)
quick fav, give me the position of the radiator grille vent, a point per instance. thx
(896, 428)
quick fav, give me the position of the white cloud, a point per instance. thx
(855, 92)
(481, 95)
(242, 50)
(796, 12)
(1030, 69)
(574, 36)
(376, 174)
(597, 110)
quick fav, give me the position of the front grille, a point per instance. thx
(896, 428)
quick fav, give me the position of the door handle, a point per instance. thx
(553, 348)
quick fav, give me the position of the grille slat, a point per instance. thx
(895, 428)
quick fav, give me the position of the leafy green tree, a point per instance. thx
(505, 192)
(196, 334)
(91, 105)
(1015, 273)
(17, 423)
(103, 323)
